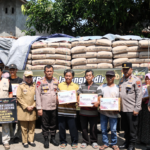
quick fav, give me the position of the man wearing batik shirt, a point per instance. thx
(88, 114)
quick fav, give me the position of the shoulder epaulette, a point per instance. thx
(55, 79)
(22, 83)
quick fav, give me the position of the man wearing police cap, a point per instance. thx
(130, 90)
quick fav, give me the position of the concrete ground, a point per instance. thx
(39, 142)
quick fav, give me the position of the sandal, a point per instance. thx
(95, 145)
(115, 147)
(103, 147)
(62, 146)
(83, 145)
(74, 146)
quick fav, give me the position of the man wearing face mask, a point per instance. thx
(130, 90)
(46, 90)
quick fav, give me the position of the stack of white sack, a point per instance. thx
(91, 54)
(144, 46)
(56, 54)
(126, 51)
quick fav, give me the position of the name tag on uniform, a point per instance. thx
(25, 91)
(45, 87)
(129, 86)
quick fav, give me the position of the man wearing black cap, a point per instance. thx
(14, 81)
(13, 74)
(109, 90)
(130, 90)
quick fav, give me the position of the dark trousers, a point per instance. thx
(93, 129)
(71, 122)
(130, 127)
(49, 122)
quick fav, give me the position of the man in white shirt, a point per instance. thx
(109, 90)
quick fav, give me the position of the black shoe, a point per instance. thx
(124, 146)
(46, 142)
(25, 145)
(131, 146)
(54, 142)
(32, 144)
(16, 140)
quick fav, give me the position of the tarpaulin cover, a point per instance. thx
(19, 51)
(6, 43)
(5, 46)
(111, 37)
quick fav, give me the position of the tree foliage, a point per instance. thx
(87, 17)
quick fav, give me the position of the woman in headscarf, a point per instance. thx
(144, 116)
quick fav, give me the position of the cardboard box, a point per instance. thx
(145, 92)
(110, 104)
(86, 100)
(14, 89)
(67, 97)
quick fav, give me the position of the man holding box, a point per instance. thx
(130, 89)
(67, 112)
(109, 90)
(89, 114)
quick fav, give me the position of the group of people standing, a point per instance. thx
(41, 99)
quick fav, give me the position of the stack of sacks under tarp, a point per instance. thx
(130, 51)
(144, 46)
(91, 54)
(126, 51)
(56, 54)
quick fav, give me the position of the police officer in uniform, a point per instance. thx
(130, 89)
(5, 92)
(46, 90)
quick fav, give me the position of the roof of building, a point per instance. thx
(24, 1)
(12, 37)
